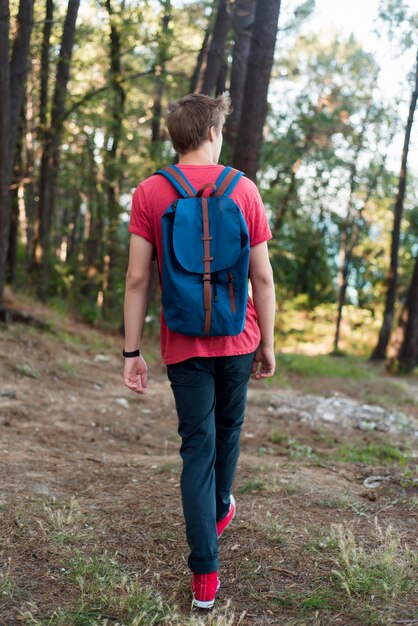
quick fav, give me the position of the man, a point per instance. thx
(209, 375)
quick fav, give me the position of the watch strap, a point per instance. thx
(131, 355)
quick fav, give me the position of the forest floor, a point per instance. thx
(91, 529)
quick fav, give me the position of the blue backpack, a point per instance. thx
(206, 253)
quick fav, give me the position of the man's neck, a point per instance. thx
(201, 156)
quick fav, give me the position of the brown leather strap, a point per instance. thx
(207, 287)
(202, 189)
(225, 183)
(183, 183)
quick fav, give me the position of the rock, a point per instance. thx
(365, 425)
(329, 417)
(346, 413)
(8, 394)
(101, 358)
(44, 490)
(372, 482)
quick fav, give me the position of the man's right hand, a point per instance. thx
(135, 374)
(264, 363)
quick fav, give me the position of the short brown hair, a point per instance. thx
(190, 118)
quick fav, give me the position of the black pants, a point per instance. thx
(210, 395)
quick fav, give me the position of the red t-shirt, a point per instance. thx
(150, 200)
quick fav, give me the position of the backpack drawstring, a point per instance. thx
(215, 290)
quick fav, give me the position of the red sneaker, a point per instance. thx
(223, 523)
(204, 587)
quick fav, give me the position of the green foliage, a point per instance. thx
(325, 365)
(252, 485)
(300, 262)
(401, 21)
(7, 584)
(371, 453)
(325, 115)
(277, 437)
(369, 579)
(383, 573)
(27, 370)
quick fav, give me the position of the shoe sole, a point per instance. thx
(235, 510)
(205, 605)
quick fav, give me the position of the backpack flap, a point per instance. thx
(225, 230)
(205, 260)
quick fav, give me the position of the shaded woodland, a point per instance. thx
(83, 91)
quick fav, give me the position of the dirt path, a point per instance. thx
(87, 467)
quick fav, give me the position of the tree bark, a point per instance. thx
(12, 89)
(217, 47)
(263, 40)
(51, 152)
(408, 354)
(242, 22)
(285, 203)
(222, 77)
(46, 44)
(194, 81)
(18, 70)
(159, 72)
(5, 117)
(346, 246)
(93, 245)
(29, 169)
(379, 352)
(16, 185)
(112, 183)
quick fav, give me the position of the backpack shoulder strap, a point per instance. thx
(178, 180)
(227, 181)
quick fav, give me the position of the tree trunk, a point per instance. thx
(17, 184)
(50, 155)
(112, 183)
(11, 261)
(46, 37)
(345, 248)
(392, 279)
(159, 73)
(222, 76)
(217, 47)
(73, 235)
(242, 22)
(194, 81)
(408, 354)
(263, 40)
(93, 243)
(33, 222)
(4, 142)
(18, 70)
(284, 204)
(345, 256)
(12, 89)
(29, 167)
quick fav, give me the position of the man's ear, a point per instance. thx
(212, 134)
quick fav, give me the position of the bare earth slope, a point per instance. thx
(89, 497)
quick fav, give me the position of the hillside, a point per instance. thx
(91, 524)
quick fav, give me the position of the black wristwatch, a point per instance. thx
(131, 355)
